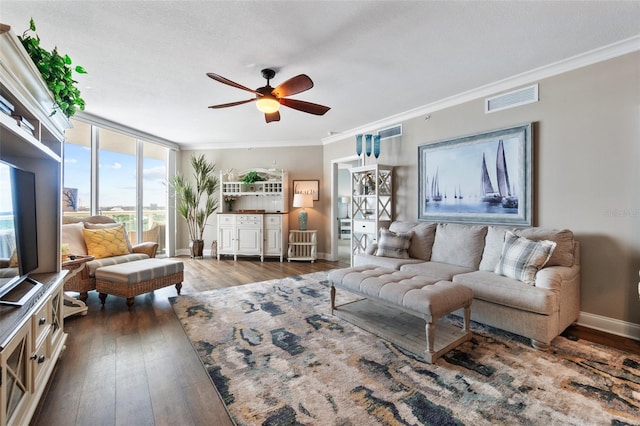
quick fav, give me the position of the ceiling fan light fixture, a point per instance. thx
(268, 104)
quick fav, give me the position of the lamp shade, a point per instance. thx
(302, 200)
(268, 104)
(344, 200)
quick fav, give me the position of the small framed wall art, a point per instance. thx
(311, 187)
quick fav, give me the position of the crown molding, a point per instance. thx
(111, 125)
(251, 144)
(591, 57)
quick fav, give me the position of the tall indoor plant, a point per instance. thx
(196, 201)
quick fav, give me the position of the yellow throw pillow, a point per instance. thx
(105, 242)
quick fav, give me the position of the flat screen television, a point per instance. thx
(18, 235)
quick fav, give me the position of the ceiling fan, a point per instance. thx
(269, 99)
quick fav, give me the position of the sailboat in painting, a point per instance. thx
(509, 199)
(504, 195)
(436, 195)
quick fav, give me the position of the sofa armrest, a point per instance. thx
(149, 248)
(552, 277)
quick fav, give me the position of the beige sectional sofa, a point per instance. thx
(73, 236)
(478, 257)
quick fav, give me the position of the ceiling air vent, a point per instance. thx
(391, 132)
(523, 96)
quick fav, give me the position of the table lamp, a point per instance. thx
(302, 200)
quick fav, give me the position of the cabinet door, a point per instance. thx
(273, 235)
(273, 241)
(14, 363)
(225, 240)
(249, 240)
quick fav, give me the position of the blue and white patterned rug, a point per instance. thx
(278, 357)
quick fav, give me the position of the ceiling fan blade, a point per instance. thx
(304, 106)
(274, 116)
(294, 85)
(230, 104)
(226, 81)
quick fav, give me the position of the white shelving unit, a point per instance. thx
(32, 337)
(371, 204)
(256, 223)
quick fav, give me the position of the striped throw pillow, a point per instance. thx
(392, 244)
(522, 258)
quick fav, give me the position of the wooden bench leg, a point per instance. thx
(130, 301)
(178, 287)
(467, 318)
(333, 298)
(83, 296)
(103, 297)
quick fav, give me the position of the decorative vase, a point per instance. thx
(229, 207)
(196, 247)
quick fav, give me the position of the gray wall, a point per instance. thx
(586, 170)
(302, 163)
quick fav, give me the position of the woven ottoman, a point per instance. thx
(131, 279)
(398, 295)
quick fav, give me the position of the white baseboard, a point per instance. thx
(610, 325)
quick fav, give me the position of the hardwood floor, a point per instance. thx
(137, 367)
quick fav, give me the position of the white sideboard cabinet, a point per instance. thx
(253, 220)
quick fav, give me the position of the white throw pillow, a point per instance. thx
(522, 258)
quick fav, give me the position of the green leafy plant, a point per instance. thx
(196, 202)
(56, 71)
(252, 177)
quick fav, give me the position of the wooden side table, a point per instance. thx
(303, 245)
(74, 306)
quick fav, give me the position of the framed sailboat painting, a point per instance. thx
(480, 178)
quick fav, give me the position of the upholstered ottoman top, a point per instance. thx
(140, 270)
(413, 292)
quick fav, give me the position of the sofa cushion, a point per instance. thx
(72, 235)
(394, 244)
(522, 258)
(493, 243)
(92, 265)
(506, 291)
(423, 236)
(435, 271)
(89, 225)
(458, 244)
(563, 253)
(107, 242)
(383, 262)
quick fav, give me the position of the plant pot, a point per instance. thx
(196, 247)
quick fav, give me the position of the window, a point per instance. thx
(76, 197)
(129, 179)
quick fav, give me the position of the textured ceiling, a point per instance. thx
(147, 60)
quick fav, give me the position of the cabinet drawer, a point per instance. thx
(364, 227)
(273, 221)
(226, 219)
(41, 322)
(40, 359)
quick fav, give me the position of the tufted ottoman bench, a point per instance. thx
(412, 294)
(134, 278)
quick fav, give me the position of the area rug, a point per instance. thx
(278, 357)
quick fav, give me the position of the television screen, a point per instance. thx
(18, 232)
(23, 192)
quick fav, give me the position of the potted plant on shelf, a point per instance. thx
(196, 201)
(56, 71)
